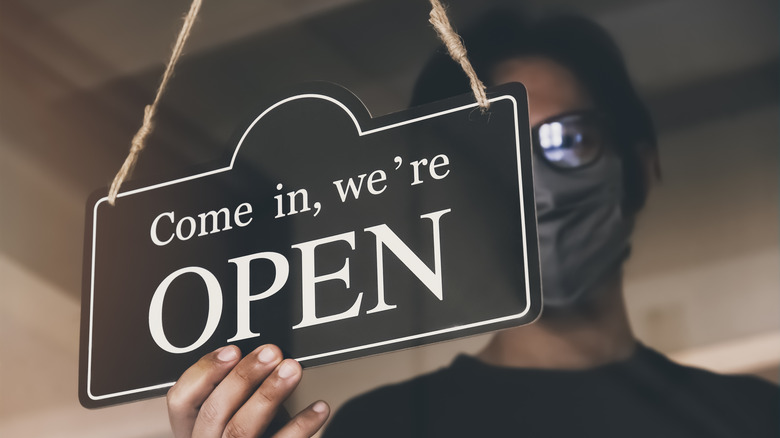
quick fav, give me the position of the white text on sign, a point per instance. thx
(384, 237)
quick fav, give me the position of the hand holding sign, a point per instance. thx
(224, 395)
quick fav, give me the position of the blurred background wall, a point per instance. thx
(702, 284)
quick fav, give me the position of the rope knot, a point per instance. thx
(139, 139)
(457, 51)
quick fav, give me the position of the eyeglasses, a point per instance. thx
(572, 140)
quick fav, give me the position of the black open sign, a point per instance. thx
(329, 233)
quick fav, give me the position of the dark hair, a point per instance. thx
(578, 44)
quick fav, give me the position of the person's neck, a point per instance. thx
(592, 334)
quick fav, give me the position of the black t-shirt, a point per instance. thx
(644, 396)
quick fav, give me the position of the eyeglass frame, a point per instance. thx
(605, 125)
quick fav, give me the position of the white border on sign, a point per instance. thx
(229, 167)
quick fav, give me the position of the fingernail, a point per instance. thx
(227, 354)
(266, 355)
(286, 370)
(320, 407)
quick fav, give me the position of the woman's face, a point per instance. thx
(552, 88)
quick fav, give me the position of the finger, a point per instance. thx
(307, 422)
(195, 385)
(234, 390)
(281, 418)
(258, 411)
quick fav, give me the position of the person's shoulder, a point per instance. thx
(388, 410)
(685, 375)
(396, 394)
(747, 389)
(738, 396)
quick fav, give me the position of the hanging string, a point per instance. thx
(438, 18)
(457, 51)
(139, 140)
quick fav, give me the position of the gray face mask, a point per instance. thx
(583, 234)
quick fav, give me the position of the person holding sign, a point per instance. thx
(578, 370)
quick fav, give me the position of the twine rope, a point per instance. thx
(457, 51)
(438, 18)
(139, 139)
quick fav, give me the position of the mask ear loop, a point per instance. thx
(438, 18)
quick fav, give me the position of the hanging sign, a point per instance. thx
(329, 233)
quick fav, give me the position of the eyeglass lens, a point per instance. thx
(571, 141)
